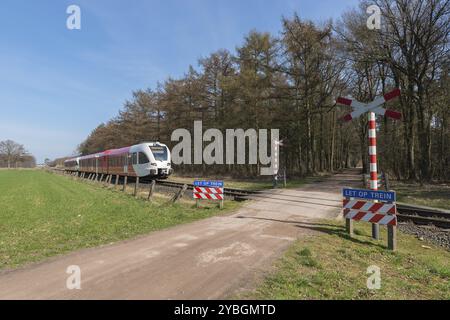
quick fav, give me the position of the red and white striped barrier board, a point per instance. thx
(208, 190)
(370, 206)
(382, 219)
(367, 209)
(208, 193)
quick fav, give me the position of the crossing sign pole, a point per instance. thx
(372, 108)
(373, 166)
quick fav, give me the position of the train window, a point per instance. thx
(159, 152)
(143, 159)
(134, 158)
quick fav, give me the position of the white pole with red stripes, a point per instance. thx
(373, 165)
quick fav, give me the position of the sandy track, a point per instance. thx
(207, 259)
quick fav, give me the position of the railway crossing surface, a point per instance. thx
(206, 259)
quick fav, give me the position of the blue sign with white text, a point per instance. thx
(217, 184)
(369, 194)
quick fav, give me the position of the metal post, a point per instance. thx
(373, 165)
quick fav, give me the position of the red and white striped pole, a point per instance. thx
(373, 170)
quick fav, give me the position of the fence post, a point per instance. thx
(386, 182)
(117, 180)
(349, 226)
(392, 237)
(125, 183)
(151, 190)
(136, 187)
(179, 194)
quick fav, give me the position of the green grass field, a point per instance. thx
(45, 214)
(330, 265)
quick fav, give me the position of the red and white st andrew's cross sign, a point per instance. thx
(375, 106)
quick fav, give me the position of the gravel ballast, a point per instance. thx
(437, 236)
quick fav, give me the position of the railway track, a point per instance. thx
(417, 214)
(423, 215)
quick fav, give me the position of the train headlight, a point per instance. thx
(153, 164)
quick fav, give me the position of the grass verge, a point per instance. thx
(330, 265)
(45, 214)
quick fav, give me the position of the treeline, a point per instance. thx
(290, 81)
(14, 155)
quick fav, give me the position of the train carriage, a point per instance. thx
(150, 159)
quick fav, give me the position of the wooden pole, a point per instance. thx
(179, 194)
(125, 183)
(136, 187)
(151, 190)
(349, 226)
(117, 180)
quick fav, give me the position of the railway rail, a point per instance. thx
(238, 194)
(423, 215)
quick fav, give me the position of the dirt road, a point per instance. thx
(207, 259)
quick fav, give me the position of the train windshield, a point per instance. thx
(159, 152)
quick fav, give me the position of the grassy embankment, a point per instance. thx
(430, 195)
(45, 214)
(330, 265)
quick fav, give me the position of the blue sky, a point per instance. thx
(56, 85)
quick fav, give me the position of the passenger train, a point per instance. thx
(146, 160)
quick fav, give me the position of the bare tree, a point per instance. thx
(12, 151)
